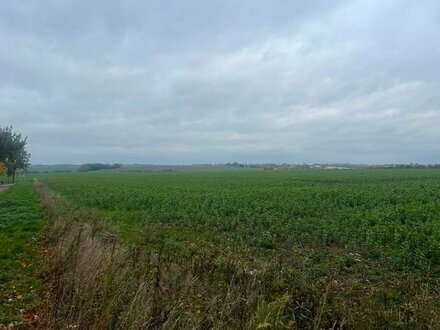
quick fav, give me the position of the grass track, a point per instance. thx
(21, 222)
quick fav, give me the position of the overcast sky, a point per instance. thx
(190, 81)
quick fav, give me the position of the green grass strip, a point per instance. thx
(21, 266)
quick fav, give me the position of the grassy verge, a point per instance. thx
(21, 267)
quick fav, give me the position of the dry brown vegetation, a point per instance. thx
(98, 282)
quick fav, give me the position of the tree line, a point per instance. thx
(13, 154)
(97, 166)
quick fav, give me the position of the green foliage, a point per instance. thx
(12, 151)
(269, 315)
(388, 214)
(20, 264)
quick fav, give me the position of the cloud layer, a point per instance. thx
(217, 81)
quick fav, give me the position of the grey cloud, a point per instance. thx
(197, 81)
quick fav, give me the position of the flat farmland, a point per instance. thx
(257, 249)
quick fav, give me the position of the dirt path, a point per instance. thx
(5, 187)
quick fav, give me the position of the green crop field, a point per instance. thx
(392, 216)
(267, 249)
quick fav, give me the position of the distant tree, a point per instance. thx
(97, 167)
(20, 160)
(12, 151)
(5, 134)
